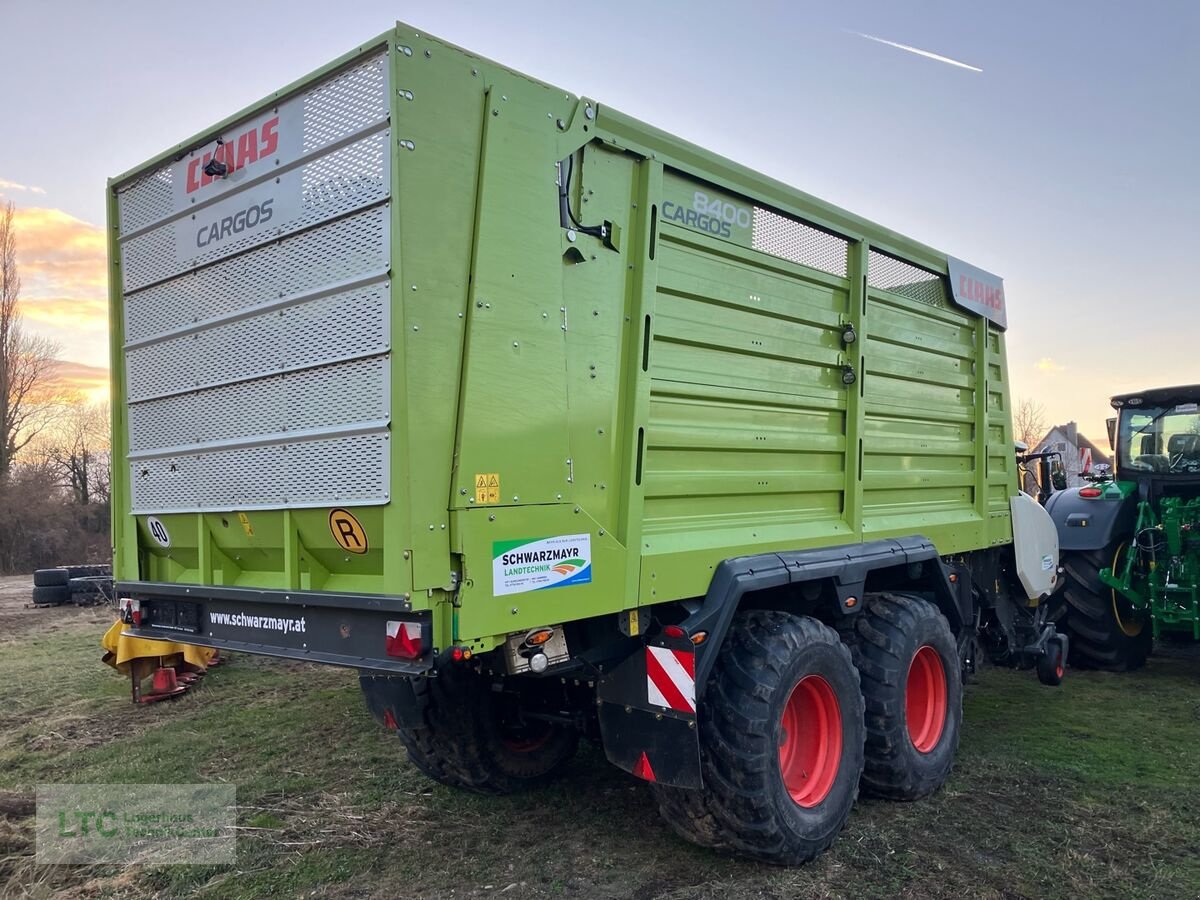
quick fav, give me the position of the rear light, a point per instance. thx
(131, 611)
(674, 631)
(1090, 493)
(405, 639)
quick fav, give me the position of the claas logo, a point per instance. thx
(238, 152)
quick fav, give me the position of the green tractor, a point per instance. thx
(1130, 539)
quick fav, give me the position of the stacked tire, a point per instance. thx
(84, 585)
(51, 587)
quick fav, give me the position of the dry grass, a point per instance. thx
(1090, 790)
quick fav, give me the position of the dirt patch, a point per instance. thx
(18, 615)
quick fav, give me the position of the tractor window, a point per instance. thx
(1164, 440)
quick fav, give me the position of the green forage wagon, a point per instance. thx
(554, 425)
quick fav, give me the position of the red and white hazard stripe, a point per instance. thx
(671, 678)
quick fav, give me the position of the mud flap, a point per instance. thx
(393, 701)
(647, 711)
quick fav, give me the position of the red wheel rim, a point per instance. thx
(810, 741)
(925, 699)
(527, 739)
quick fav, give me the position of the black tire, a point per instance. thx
(1105, 631)
(51, 595)
(51, 577)
(1052, 667)
(911, 675)
(472, 739)
(745, 806)
(92, 570)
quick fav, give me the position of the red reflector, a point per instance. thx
(673, 631)
(131, 611)
(643, 769)
(389, 720)
(405, 639)
(456, 654)
(1090, 492)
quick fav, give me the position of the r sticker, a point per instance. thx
(537, 564)
(246, 526)
(347, 531)
(487, 487)
(1047, 563)
(158, 531)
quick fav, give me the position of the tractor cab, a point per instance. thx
(1157, 438)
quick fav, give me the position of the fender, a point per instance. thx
(846, 567)
(1090, 523)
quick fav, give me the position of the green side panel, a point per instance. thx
(513, 412)
(438, 107)
(919, 448)
(746, 439)
(601, 335)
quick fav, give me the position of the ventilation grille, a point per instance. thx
(258, 374)
(346, 103)
(798, 242)
(343, 181)
(349, 248)
(329, 397)
(895, 275)
(303, 473)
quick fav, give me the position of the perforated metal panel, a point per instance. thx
(303, 473)
(348, 248)
(799, 242)
(257, 375)
(343, 181)
(318, 332)
(341, 395)
(346, 103)
(900, 277)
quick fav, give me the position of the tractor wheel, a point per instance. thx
(1105, 630)
(911, 675)
(781, 743)
(474, 740)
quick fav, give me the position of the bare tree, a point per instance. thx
(26, 360)
(77, 447)
(1029, 422)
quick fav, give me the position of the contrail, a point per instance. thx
(917, 50)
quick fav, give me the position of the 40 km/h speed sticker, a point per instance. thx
(158, 531)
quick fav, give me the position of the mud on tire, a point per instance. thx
(1105, 633)
(745, 805)
(471, 741)
(908, 660)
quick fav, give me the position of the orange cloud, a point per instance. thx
(90, 381)
(59, 255)
(63, 265)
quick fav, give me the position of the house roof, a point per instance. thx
(1075, 437)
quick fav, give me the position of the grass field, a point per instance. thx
(1089, 790)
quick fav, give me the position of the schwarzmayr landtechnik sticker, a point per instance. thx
(535, 564)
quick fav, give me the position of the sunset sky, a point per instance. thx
(1054, 144)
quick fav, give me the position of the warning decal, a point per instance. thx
(671, 679)
(535, 564)
(347, 531)
(487, 487)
